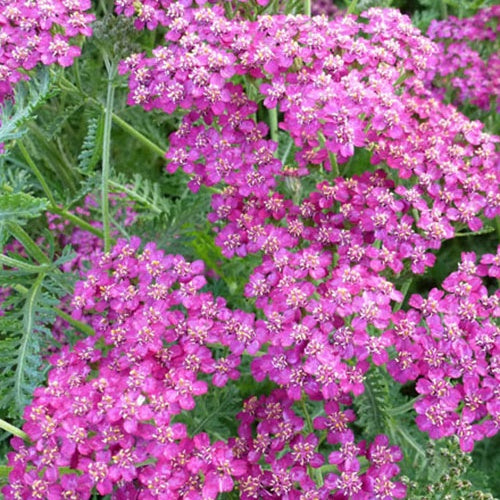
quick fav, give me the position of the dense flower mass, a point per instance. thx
(449, 343)
(108, 411)
(337, 169)
(34, 32)
(110, 401)
(340, 85)
(474, 76)
(273, 433)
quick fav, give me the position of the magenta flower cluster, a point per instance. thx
(271, 431)
(108, 411)
(475, 77)
(336, 84)
(339, 85)
(327, 308)
(34, 32)
(85, 245)
(448, 342)
(108, 407)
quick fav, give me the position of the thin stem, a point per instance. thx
(83, 327)
(402, 409)
(21, 265)
(23, 237)
(77, 221)
(444, 9)
(307, 7)
(76, 71)
(140, 137)
(134, 196)
(352, 6)
(37, 172)
(54, 208)
(315, 472)
(58, 163)
(331, 156)
(106, 155)
(120, 122)
(12, 429)
(273, 124)
(409, 439)
(404, 291)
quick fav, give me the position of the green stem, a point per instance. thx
(315, 472)
(37, 172)
(352, 7)
(402, 409)
(411, 441)
(30, 246)
(307, 7)
(273, 124)
(331, 156)
(134, 196)
(83, 327)
(76, 71)
(15, 431)
(58, 163)
(77, 221)
(54, 208)
(106, 156)
(23, 266)
(122, 123)
(444, 9)
(140, 137)
(404, 291)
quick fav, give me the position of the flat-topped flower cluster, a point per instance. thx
(108, 411)
(473, 75)
(332, 248)
(337, 85)
(41, 31)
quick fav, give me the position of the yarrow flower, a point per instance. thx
(473, 76)
(39, 32)
(273, 439)
(448, 343)
(110, 401)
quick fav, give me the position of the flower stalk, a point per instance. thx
(106, 155)
(12, 429)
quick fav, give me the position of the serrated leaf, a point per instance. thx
(144, 192)
(91, 150)
(20, 206)
(29, 96)
(28, 341)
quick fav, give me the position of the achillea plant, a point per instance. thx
(337, 173)
(34, 32)
(473, 75)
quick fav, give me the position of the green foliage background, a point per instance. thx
(57, 121)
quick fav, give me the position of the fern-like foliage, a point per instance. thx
(383, 409)
(147, 195)
(28, 97)
(91, 150)
(20, 206)
(214, 413)
(28, 313)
